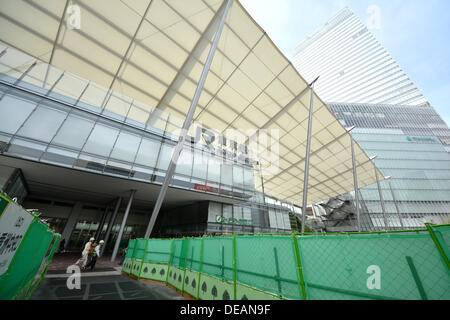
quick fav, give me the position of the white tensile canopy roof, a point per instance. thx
(153, 52)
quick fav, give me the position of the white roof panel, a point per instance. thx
(152, 53)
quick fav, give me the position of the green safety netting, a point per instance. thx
(443, 235)
(268, 263)
(410, 265)
(388, 266)
(194, 254)
(158, 251)
(30, 262)
(130, 249)
(139, 249)
(179, 253)
(218, 258)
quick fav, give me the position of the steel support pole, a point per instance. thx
(101, 224)
(355, 182)
(396, 205)
(383, 208)
(262, 182)
(111, 223)
(122, 227)
(187, 124)
(307, 158)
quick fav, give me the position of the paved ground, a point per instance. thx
(105, 283)
(62, 260)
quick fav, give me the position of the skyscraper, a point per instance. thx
(353, 66)
(364, 87)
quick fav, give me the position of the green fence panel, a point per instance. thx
(38, 259)
(46, 263)
(139, 249)
(218, 258)
(385, 267)
(179, 253)
(268, 263)
(38, 272)
(193, 254)
(130, 250)
(158, 251)
(27, 260)
(138, 255)
(443, 236)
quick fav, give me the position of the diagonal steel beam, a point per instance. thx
(56, 40)
(187, 123)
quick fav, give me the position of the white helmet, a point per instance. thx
(91, 239)
(101, 241)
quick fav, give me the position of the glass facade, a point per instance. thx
(410, 150)
(70, 122)
(367, 89)
(44, 130)
(353, 65)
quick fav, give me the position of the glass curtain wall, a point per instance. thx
(411, 147)
(44, 130)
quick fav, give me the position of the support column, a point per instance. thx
(395, 203)
(262, 182)
(122, 227)
(71, 222)
(98, 233)
(307, 158)
(111, 223)
(355, 182)
(186, 125)
(383, 208)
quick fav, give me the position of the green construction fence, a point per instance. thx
(32, 257)
(397, 265)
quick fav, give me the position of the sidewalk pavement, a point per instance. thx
(63, 260)
(106, 282)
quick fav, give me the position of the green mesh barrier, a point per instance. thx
(410, 265)
(139, 249)
(443, 234)
(194, 254)
(27, 260)
(158, 251)
(52, 249)
(218, 258)
(130, 250)
(268, 263)
(179, 253)
(42, 270)
(389, 266)
(38, 258)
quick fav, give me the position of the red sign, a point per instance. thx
(203, 188)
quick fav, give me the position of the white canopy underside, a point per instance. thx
(152, 53)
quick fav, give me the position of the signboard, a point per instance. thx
(14, 223)
(222, 219)
(420, 139)
(203, 188)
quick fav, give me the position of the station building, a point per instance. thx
(93, 97)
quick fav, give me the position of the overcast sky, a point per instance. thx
(414, 32)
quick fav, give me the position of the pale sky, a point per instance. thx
(414, 32)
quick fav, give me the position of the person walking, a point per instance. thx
(62, 246)
(95, 253)
(124, 253)
(85, 254)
